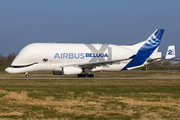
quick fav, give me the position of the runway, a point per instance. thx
(91, 78)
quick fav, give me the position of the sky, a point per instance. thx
(120, 22)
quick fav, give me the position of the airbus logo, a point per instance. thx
(79, 55)
(95, 55)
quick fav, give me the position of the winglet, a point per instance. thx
(170, 52)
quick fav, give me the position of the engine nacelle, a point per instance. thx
(70, 70)
(57, 72)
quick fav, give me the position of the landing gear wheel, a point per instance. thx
(85, 75)
(79, 75)
(91, 75)
(26, 76)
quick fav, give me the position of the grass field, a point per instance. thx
(90, 99)
(2, 68)
(68, 99)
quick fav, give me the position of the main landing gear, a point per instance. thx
(85, 75)
(26, 75)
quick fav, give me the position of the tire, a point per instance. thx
(91, 75)
(26, 76)
(79, 75)
(85, 75)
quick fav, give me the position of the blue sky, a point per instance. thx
(87, 21)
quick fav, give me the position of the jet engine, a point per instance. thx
(69, 70)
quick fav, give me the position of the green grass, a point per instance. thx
(2, 68)
(90, 99)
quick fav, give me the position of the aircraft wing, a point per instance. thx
(100, 63)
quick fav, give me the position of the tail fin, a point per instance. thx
(156, 35)
(147, 49)
(153, 41)
(170, 52)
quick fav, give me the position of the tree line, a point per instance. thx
(165, 63)
(7, 60)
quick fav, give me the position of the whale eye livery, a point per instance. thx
(83, 59)
(45, 60)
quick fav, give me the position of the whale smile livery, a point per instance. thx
(82, 59)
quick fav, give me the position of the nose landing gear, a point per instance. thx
(26, 75)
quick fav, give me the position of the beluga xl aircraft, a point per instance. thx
(83, 59)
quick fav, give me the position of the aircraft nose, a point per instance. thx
(12, 70)
(8, 70)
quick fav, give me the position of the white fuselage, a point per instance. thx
(54, 56)
(62, 58)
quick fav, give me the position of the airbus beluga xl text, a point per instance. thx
(82, 59)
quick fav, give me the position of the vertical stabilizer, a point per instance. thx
(147, 48)
(170, 52)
